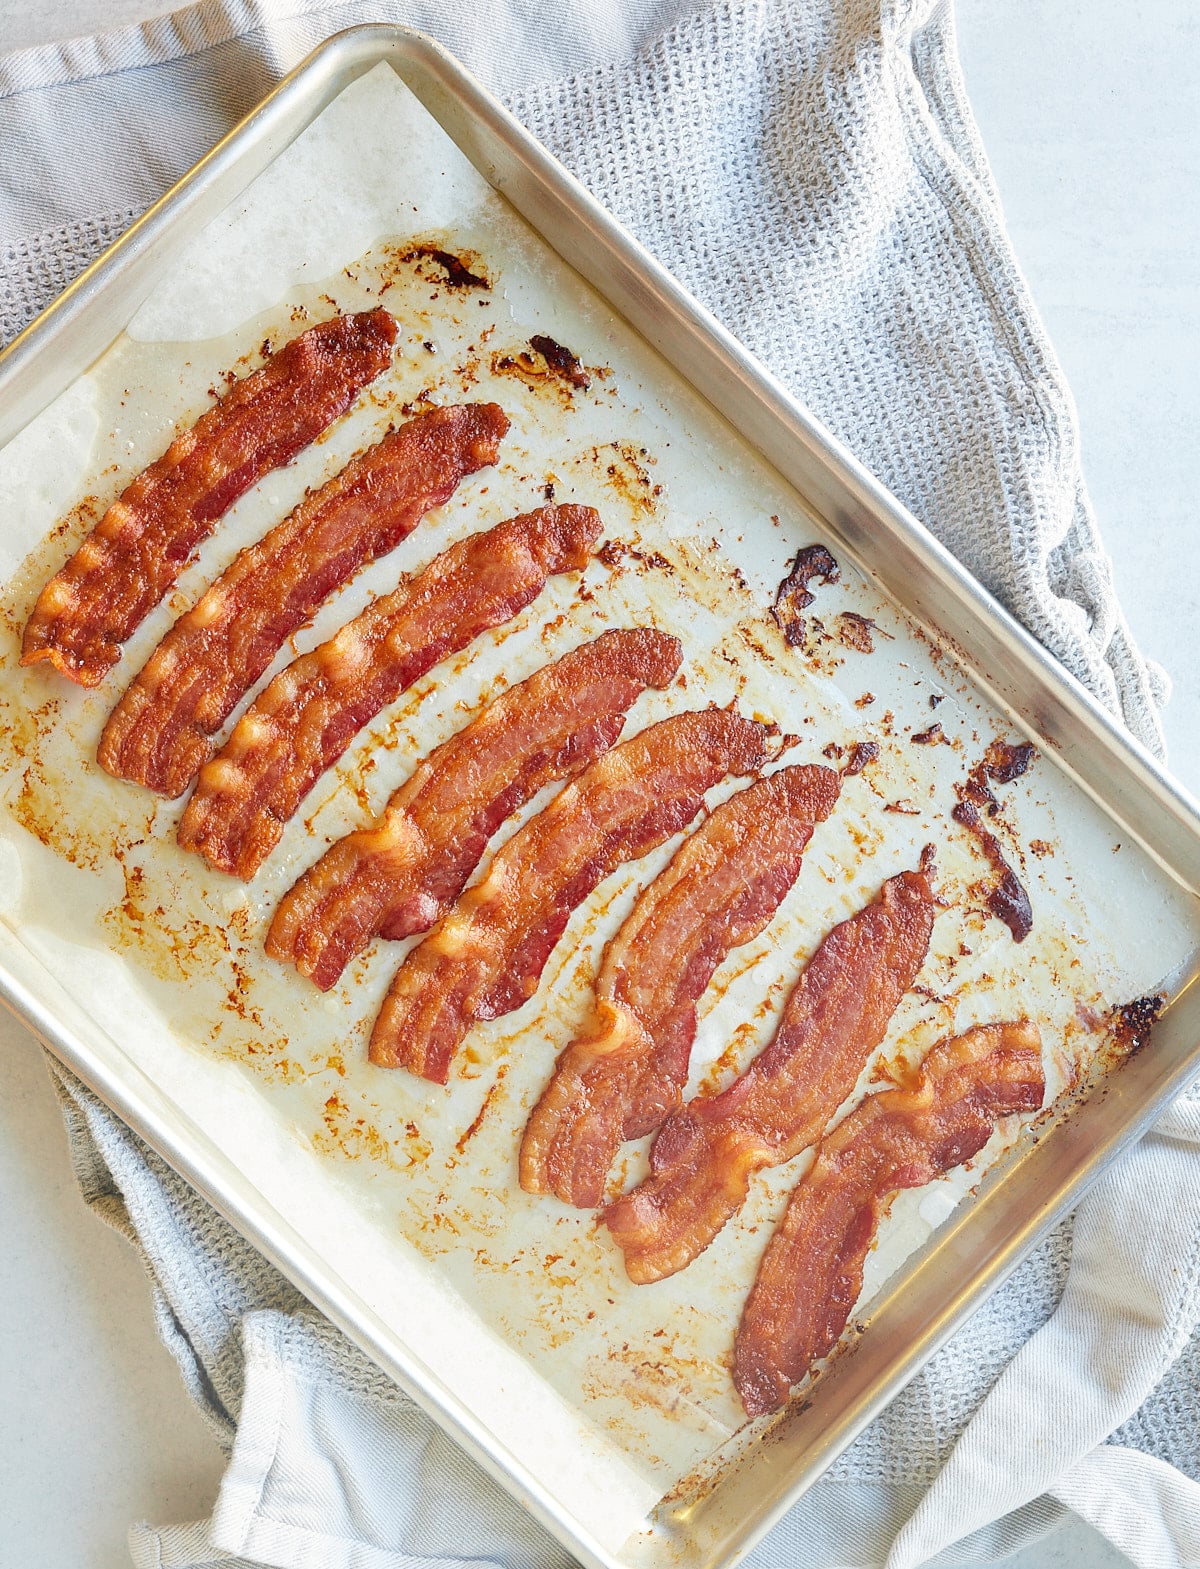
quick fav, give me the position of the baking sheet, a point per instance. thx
(607, 1393)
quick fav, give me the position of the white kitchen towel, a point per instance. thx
(810, 170)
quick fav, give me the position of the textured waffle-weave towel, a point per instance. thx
(835, 137)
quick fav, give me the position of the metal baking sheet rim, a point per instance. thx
(975, 1252)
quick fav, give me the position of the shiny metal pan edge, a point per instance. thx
(729, 1509)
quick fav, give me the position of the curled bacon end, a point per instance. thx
(309, 714)
(812, 1271)
(624, 1077)
(838, 1013)
(486, 956)
(144, 540)
(161, 731)
(398, 876)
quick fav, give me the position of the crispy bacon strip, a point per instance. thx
(398, 876)
(309, 714)
(160, 733)
(486, 956)
(811, 1273)
(837, 1014)
(144, 540)
(627, 1073)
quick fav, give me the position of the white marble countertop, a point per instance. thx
(1090, 116)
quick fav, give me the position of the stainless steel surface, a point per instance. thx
(982, 1244)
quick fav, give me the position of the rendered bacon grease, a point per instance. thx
(812, 1271)
(486, 956)
(838, 1013)
(161, 732)
(309, 714)
(144, 540)
(398, 876)
(623, 1077)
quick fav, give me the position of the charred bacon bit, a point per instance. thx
(486, 956)
(931, 737)
(811, 1273)
(793, 596)
(1133, 1021)
(303, 722)
(1003, 762)
(627, 1074)
(160, 733)
(838, 1013)
(861, 753)
(560, 360)
(1007, 898)
(146, 538)
(398, 876)
(458, 274)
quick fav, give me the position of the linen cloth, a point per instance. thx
(811, 171)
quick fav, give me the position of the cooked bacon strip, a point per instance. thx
(309, 714)
(837, 1014)
(627, 1073)
(398, 876)
(812, 1271)
(160, 733)
(486, 956)
(144, 540)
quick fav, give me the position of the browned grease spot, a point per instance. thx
(458, 273)
(614, 551)
(628, 474)
(170, 946)
(793, 595)
(470, 1133)
(354, 1138)
(38, 807)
